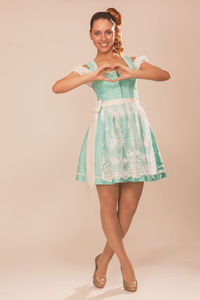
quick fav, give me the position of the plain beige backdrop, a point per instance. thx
(45, 215)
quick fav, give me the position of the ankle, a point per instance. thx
(126, 263)
(105, 258)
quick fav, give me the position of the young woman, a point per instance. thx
(119, 152)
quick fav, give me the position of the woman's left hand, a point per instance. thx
(124, 72)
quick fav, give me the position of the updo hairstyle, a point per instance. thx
(115, 17)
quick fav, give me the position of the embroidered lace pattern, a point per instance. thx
(126, 153)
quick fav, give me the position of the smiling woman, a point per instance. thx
(119, 151)
(109, 37)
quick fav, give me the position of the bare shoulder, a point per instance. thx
(133, 58)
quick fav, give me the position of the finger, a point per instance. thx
(104, 67)
(120, 66)
(117, 79)
(116, 65)
(108, 79)
(116, 68)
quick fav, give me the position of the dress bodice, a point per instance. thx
(107, 90)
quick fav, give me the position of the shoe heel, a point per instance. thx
(129, 286)
(98, 281)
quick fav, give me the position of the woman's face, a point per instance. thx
(103, 34)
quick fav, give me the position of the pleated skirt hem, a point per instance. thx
(82, 177)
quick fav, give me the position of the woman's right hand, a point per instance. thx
(98, 74)
(73, 80)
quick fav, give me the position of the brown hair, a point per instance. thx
(115, 17)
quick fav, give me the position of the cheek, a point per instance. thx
(111, 37)
(96, 39)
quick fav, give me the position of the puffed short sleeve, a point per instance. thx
(82, 70)
(139, 60)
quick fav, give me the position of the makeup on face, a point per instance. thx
(103, 33)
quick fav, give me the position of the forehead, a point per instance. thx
(102, 24)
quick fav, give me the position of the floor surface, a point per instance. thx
(171, 277)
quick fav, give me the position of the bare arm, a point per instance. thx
(74, 79)
(71, 81)
(151, 72)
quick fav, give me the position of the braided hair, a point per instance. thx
(115, 17)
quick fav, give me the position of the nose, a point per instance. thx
(103, 38)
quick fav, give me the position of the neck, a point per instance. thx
(106, 56)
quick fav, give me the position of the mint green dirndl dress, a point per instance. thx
(119, 145)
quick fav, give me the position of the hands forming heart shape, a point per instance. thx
(124, 72)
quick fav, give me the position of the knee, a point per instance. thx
(128, 205)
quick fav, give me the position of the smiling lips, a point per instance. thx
(104, 45)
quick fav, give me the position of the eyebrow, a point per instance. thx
(105, 30)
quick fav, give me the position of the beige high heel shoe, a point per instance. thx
(130, 286)
(98, 281)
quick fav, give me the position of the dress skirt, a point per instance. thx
(126, 149)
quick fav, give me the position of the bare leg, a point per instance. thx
(129, 195)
